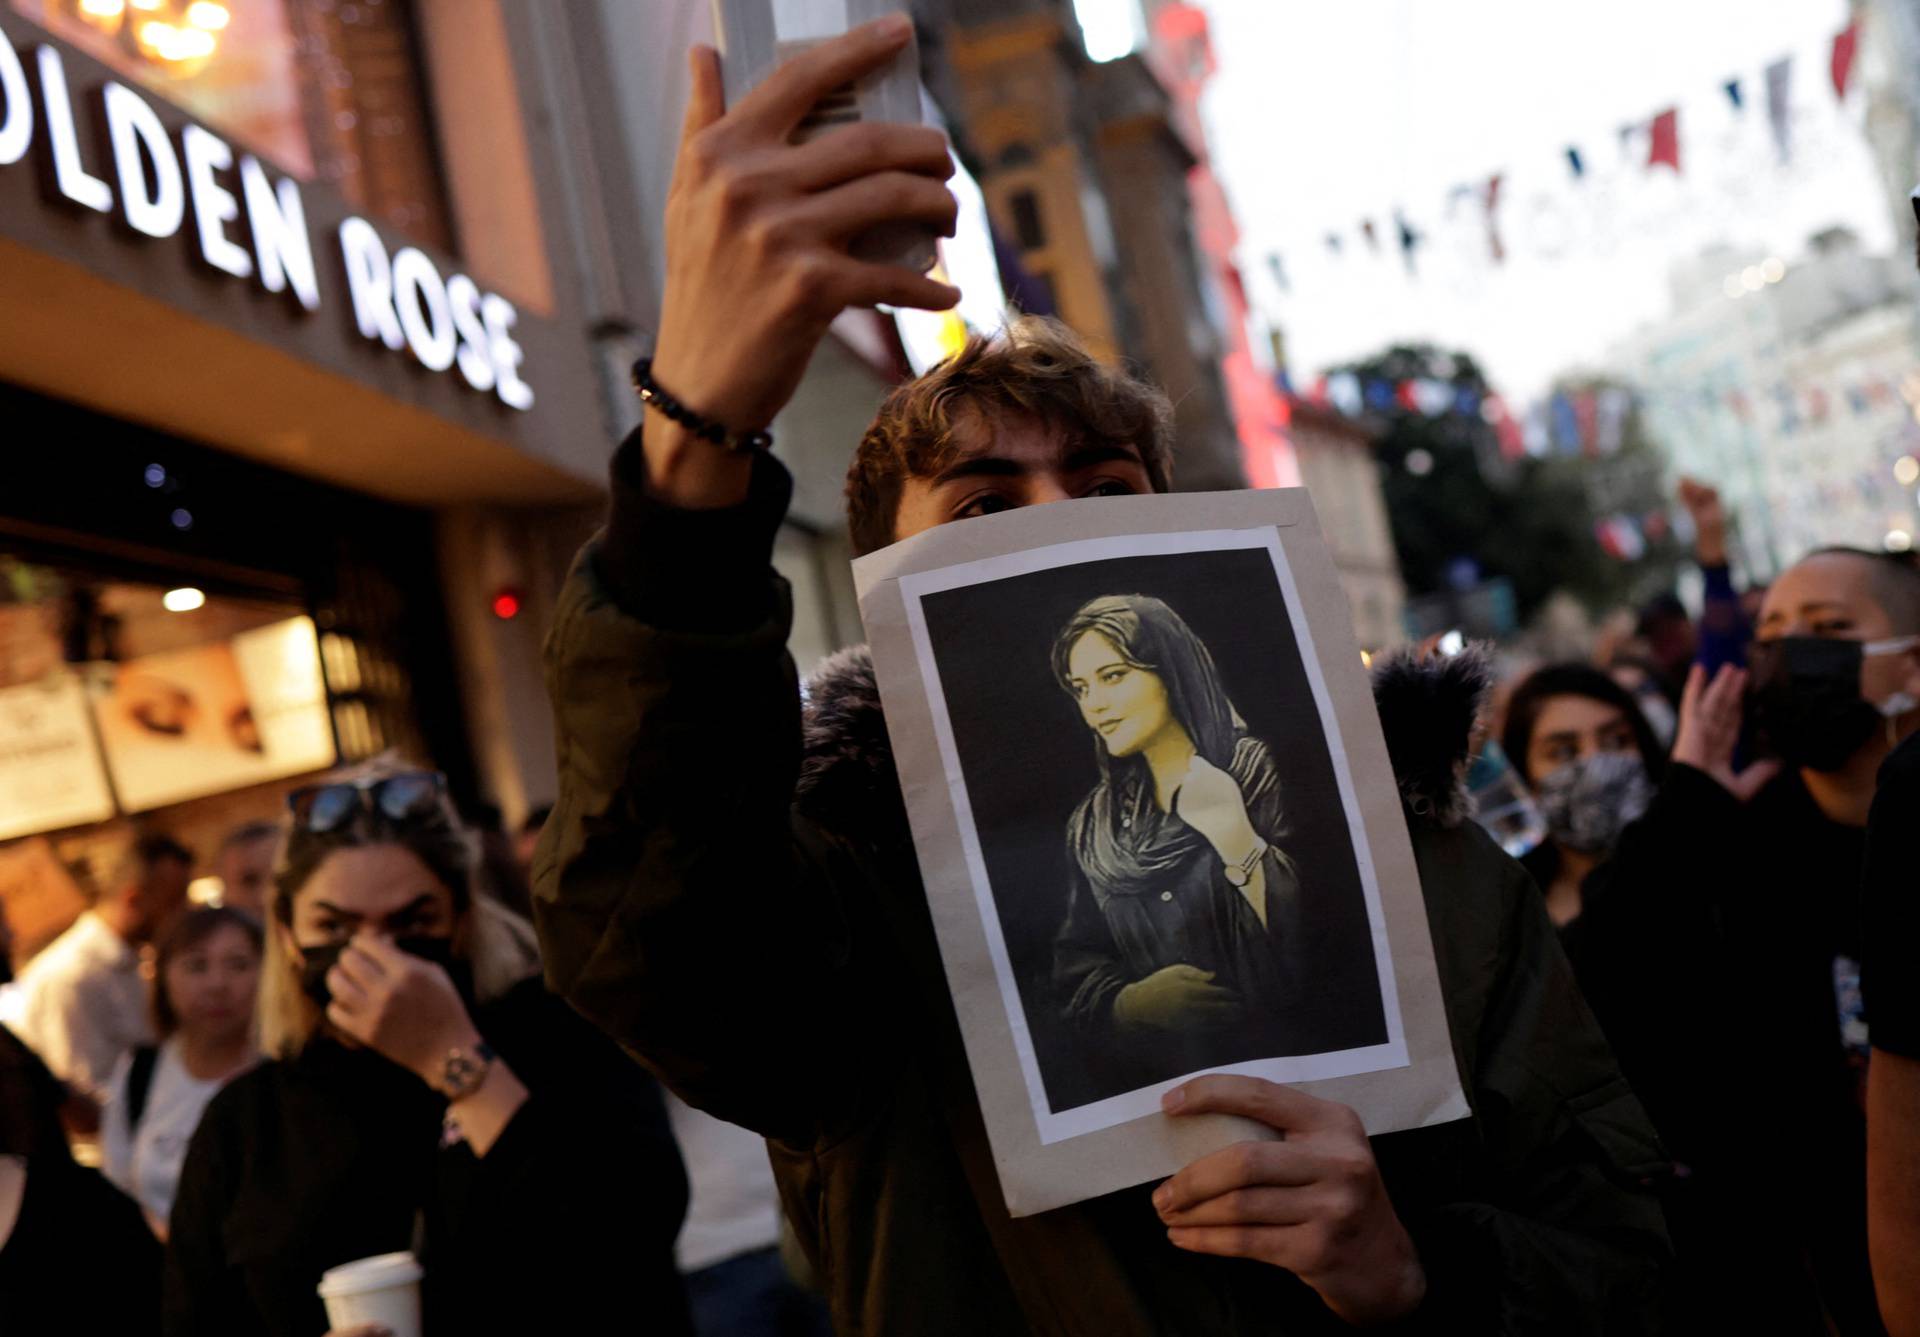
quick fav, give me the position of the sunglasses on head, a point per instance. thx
(408, 797)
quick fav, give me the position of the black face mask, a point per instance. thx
(1805, 694)
(315, 962)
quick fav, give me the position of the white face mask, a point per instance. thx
(1900, 702)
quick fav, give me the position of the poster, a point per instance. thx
(193, 722)
(1157, 825)
(50, 770)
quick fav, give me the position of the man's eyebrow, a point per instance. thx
(981, 466)
(1088, 457)
(333, 909)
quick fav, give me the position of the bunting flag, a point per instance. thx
(1620, 538)
(1333, 242)
(1409, 241)
(1321, 394)
(1734, 95)
(1575, 163)
(1566, 425)
(1373, 237)
(1611, 429)
(1845, 45)
(1586, 418)
(1779, 105)
(1344, 392)
(1407, 396)
(1277, 267)
(1381, 396)
(1817, 404)
(1538, 433)
(1666, 140)
(1495, 247)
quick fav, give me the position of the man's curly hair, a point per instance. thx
(1035, 368)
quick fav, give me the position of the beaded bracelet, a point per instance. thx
(652, 393)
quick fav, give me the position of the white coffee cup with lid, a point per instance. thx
(383, 1289)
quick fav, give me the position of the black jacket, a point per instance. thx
(1714, 945)
(734, 895)
(303, 1164)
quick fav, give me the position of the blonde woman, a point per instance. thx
(419, 1093)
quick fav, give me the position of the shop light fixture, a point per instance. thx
(183, 600)
(1906, 471)
(1899, 540)
(105, 15)
(209, 15)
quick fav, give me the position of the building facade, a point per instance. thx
(1789, 386)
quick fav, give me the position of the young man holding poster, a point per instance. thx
(733, 892)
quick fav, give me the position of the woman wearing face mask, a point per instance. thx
(204, 976)
(1588, 754)
(418, 1095)
(1737, 900)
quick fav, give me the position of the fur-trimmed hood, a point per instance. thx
(1427, 712)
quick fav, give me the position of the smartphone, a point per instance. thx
(755, 36)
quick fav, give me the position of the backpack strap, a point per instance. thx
(139, 1083)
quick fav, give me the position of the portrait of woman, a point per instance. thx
(1183, 900)
(1164, 847)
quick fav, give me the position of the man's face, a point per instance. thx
(1004, 463)
(162, 895)
(246, 869)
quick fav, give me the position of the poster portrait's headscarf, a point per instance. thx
(1151, 636)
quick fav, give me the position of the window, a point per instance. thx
(1026, 220)
(327, 90)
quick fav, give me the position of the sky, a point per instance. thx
(1325, 114)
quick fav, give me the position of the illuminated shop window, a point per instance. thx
(327, 90)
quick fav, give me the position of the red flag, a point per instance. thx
(1492, 197)
(1666, 140)
(1845, 44)
(1586, 412)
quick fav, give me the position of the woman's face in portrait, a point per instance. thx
(1126, 706)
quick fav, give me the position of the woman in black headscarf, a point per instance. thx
(1183, 909)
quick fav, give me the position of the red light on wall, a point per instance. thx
(506, 605)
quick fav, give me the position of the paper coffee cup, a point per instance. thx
(384, 1289)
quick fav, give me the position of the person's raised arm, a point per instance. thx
(673, 907)
(757, 262)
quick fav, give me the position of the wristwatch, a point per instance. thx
(1239, 874)
(463, 1070)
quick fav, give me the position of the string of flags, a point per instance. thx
(1592, 422)
(1661, 133)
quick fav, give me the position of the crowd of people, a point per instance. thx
(717, 1087)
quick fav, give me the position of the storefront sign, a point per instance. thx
(250, 223)
(50, 771)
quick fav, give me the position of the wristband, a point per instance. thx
(655, 395)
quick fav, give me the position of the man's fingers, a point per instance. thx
(872, 285)
(1754, 779)
(887, 197)
(708, 100)
(1241, 1166)
(1253, 1098)
(854, 151)
(1690, 694)
(1266, 1206)
(1263, 1242)
(1723, 697)
(783, 100)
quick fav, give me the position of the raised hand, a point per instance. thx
(1709, 521)
(1709, 731)
(757, 233)
(399, 1006)
(1312, 1202)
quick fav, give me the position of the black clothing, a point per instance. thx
(80, 1258)
(1890, 970)
(1716, 947)
(306, 1163)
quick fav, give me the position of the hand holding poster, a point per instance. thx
(1157, 827)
